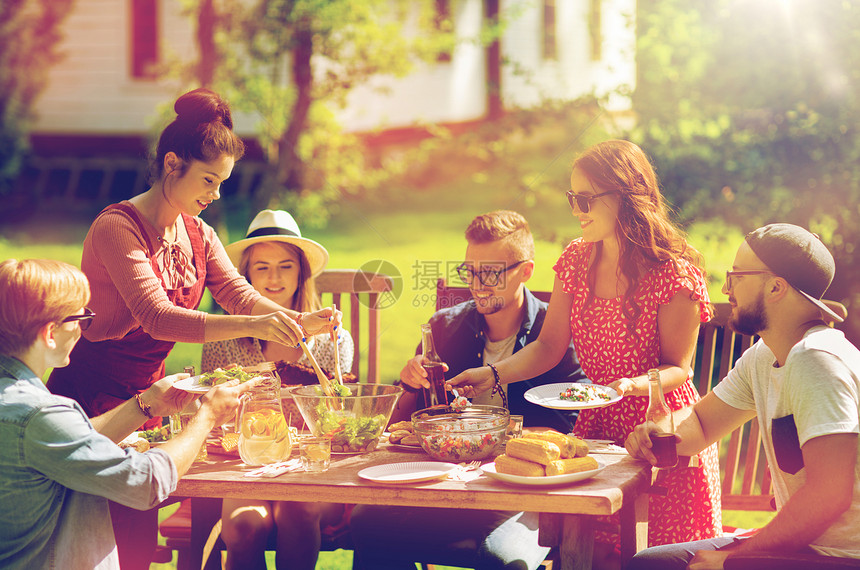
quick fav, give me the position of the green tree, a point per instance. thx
(750, 110)
(294, 62)
(29, 34)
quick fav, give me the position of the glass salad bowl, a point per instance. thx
(354, 423)
(474, 433)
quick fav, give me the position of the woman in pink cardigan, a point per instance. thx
(148, 260)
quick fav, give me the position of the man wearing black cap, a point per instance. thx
(802, 382)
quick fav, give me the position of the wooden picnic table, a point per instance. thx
(566, 512)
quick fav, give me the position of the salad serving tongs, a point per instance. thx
(325, 383)
(334, 337)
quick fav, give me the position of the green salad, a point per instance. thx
(220, 376)
(351, 433)
(155, 435)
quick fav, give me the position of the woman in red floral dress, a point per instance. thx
(631, 293)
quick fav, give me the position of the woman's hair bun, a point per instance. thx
(202, 106)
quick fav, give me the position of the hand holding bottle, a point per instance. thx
(664, 445)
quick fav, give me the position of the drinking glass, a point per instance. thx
(179, 421)
(315, 453)
(515, 427)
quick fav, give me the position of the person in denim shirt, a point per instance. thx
(58, 467)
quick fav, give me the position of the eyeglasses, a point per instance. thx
(488, 277)
(84, 321)
(730, 274)
(583, 201)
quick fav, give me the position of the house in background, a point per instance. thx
(102, 97)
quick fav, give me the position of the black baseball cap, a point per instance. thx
(798, 256)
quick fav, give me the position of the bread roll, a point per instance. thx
(397, 435)
(513, 466)
(570, 446)
(572, 465)
(536, 450)
(411, 439)
(579, 445)
(397, 426)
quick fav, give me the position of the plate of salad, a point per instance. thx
(572, 396)
(204, 382)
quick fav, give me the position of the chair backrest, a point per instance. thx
(447, 296)
(746, 483)
(363, 290)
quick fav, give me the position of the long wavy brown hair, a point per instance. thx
(646, 235)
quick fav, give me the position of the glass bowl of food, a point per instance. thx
(474, 433)
(353, 422)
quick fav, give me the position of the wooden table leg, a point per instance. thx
(204, 514)
(634, 528)
(574, 537)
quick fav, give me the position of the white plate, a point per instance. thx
(548, 397)
(192, 384)
(413, 472)
(490, 470)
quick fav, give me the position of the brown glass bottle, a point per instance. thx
(663, 443)
(435, 371)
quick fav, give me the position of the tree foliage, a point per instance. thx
(750, 110)
(294, 62)
(29, 34)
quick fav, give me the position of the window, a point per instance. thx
(144, 38)
(549, 45)
(594, 27)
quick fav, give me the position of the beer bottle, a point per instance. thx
(435, 371)
(663, 444)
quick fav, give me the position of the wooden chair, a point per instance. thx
(358, 294)
(363, 290)
(746, 483)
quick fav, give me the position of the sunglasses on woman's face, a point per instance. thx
(84, 321)
(583, 201)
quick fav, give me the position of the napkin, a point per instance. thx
(604, 446)
(275, 469)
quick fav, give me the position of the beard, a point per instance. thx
(752, 320)
(489, 305)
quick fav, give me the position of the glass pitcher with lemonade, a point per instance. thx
(264, 437)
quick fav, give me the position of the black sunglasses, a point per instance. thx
(583, 201)
(730, 274)
(487, 276)
(84, 321)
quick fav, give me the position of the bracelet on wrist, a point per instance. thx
(497, 386)
(145, 409)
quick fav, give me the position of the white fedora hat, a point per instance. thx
(278, 225)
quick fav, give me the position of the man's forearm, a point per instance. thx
(687, 426)
(120, 421)
(183, 449)
(806, 516)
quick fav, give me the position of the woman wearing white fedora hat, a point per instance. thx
(149, 260)
(281, 265)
